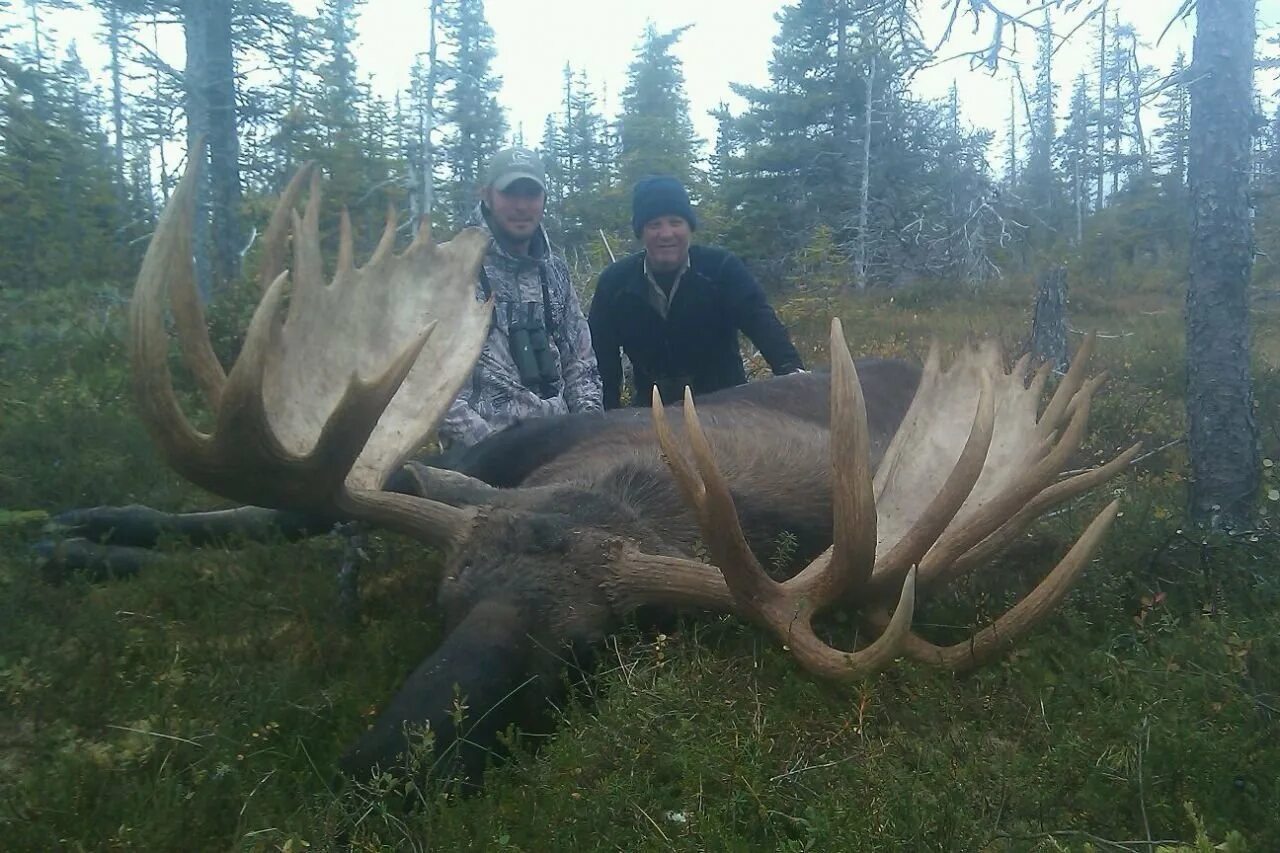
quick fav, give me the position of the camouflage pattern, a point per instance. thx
(494, 398)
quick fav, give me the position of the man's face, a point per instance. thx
(666, 242)
(517, 210)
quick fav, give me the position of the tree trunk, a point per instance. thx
(158, 123)
(1013, 136)
(1049, 325)
(1223, 432)
(211, 114)
(36, 50)
(429, 119)
(1102, 105)
(224, 144)
(1135, 93)
(864, 204)
(195, 25)
(115, 29)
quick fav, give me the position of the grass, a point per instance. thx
(202, 705)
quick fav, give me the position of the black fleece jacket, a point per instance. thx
(697, 343)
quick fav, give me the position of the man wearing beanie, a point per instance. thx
(676, 309)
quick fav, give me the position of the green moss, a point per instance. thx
(203, 704)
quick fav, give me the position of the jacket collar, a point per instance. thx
(639, 283)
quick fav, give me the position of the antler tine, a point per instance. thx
(687, 480)
(1056, 411)
(1018, 620)
(834, 665)
(787, 609)
(754, 589)
(388, 239)
(275, 240)
(1051, 497)
(346, 244)
(422, 235)
(168, 259)
(936, 566)
(944, 506)
(1039, 379)
(307, 275)
(853, 499)
(188, 316)
(845, 569)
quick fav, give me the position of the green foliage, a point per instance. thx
(584, 194)
(63, 223)
(793, 161)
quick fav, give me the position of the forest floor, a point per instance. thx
(202, 704)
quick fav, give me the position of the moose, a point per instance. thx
(894, 480)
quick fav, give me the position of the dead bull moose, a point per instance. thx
(890, 494)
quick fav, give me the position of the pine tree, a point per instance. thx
(727, 145)
(421, 150)
(1075, 154)
(1040, 181)
(587, 200)
(40, 41)
(118, 18)
(1173, 136)
(654, 130)
(340, 98)
(834, 126)
(477, 124)
(56, 177)
(802, 138)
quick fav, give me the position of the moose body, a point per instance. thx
(531, 582)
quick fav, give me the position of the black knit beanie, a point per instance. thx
(657, 196)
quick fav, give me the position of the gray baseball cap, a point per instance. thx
(510, 165)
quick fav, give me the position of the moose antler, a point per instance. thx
(944, 500)
(328, 395)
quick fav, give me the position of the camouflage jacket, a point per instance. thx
(494, 397)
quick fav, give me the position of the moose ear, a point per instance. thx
(440, 484)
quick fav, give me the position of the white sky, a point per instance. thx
(731, 41)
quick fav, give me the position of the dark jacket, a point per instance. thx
(697, 342)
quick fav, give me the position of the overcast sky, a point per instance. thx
(730, 41)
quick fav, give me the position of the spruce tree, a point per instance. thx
(655, 132)
(1174, 135)
(477, 124)
(1075, 154)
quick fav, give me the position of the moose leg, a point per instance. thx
(480, 681)
(113, 542)
(97, 562)
(142, 527)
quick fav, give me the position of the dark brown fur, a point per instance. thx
(527, 584)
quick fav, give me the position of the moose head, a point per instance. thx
(912, 479)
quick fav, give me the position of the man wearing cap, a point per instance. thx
(537, 360)
(676, 309)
